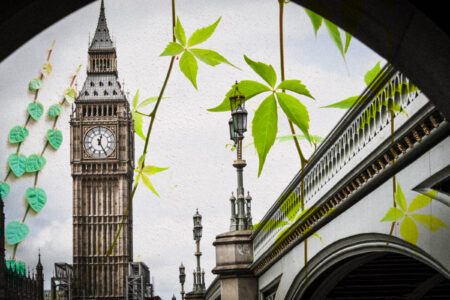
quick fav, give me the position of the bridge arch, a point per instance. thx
(381, 265)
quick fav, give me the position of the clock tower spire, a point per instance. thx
(102, 162)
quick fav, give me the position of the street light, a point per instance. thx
(199, 279)
(182, 280)
(198, 228)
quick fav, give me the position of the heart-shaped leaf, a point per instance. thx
(17, 134)
(16, 232)
(55, 138)
(17, 163)
(54, 110)
(35, 84)
(4, 190)
(37, 198)
(35, 109)
(35, 163)
(70, 95)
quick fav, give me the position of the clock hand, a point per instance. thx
(103, 149)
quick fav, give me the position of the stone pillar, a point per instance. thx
(195, 295)
(234, 255)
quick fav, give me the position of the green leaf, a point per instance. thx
(334, 34)
(290, 137)
(248, 88)
(135, 99)
(149, 101)
(188, 65)
(35, 163)
(295, 86)
(179, 33)
(150, 170)
(35, 110)
(70, 95)
(34, 84)
(348, 38)
(266, 72)
(393, 215)
(138, 121)
(47, 69)
(4, 190)
(36, 198)
(17, 163)
(141, 161)
(372, 74)
(408, 230)
(210, 57)
(16, 232)
(17, 134)
(149, 184)
(54, 110)
(316, 20)
(264, 128)
(173, 48)
(296, 112)
(344, 104)
(400, 198)
(54, 138)
(290, 212)
(421, 200)
(202, 34)
(271, 224)
(430, 222)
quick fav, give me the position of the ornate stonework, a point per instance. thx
(102, 160)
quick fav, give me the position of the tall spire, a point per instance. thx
(101, 39)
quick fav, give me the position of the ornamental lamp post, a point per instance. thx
(238, 125)
(182, 280)
(199, 280)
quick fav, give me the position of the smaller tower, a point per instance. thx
(40, 277)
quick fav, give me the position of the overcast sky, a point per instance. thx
(186, 138)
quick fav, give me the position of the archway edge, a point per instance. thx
(353, 246)
(398, 31)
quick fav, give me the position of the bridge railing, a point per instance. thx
(361, 130)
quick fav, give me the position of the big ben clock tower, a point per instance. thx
(102, 160)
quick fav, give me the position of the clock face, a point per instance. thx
(99, 142)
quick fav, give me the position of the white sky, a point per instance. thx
(186, 137)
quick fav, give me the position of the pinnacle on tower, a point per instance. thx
(101, 39)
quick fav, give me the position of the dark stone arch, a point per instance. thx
(330, 268)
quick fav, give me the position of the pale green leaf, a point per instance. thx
(35, 109)
(70, 95)
(34, 84)
(173, 48)
(148, 183)
(47, 69)
(54, 110)
(138, 121)
(430, 222)
(135, 99)
(141, 161)
(334, 34)
(400, 198)
(264, 128)
(344, 104)
(421, 200)
(188, 65)
(393, 214)
(36, 198)
(290, 137)
(210, 57)
(179, 33)
(17, 134)
(295, 111)
(34, 163)
(202, 34)
(266, 72)
(4, 190)
(55, 138)
(17, 163)
(348, 38)
(149, 101)
(372, 74)
(408, 230)
(16, 232)
(295, 86)
(248, 88)
(316, 20)
(150, 170)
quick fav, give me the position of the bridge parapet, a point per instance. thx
(358, 136)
